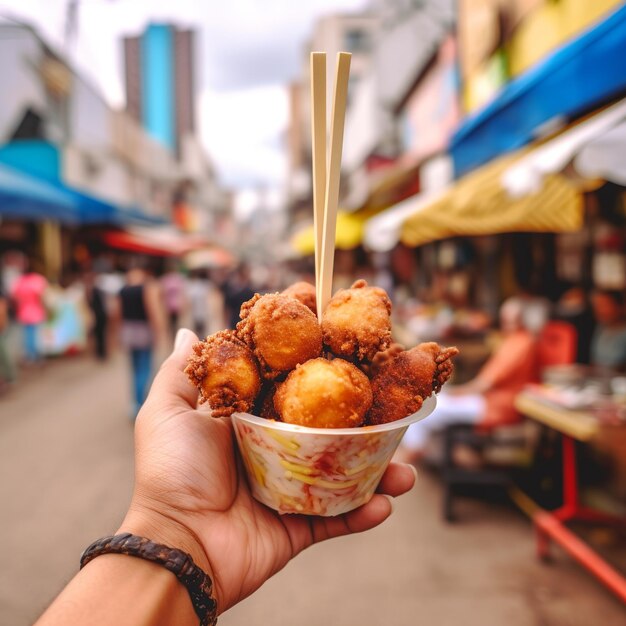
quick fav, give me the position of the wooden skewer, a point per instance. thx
(340, 97)
(318, 143)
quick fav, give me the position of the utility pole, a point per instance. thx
(71, 26)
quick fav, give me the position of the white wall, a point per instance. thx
(20, 54)
(364, 124)
(88, 117)
(406, 43)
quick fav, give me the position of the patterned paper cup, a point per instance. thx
(317, 471)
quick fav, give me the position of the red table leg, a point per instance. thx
(550, 525)
(570, 480)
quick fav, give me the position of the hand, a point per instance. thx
(191, 492)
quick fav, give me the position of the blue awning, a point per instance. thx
(28, 198)
(97, 211)
(39, 165)
(580, 75)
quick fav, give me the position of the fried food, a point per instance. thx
(265, 403)
(226, 373)
(381, 358)
(324, 394)
(303, 291)
(402, 383)
(281, 331)
(357, 323)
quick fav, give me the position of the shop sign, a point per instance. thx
(56, 77)
(431, 113)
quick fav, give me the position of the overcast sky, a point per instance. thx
(248, 50)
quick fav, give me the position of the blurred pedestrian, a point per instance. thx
(173, 288)
(198, 294)
(97, 302)
(141, 328)
(28, 294)
(65, 330)
(216, 321)
(574, 307)
(7, 368)
(488, 400)
(237, 290)
(608, 345)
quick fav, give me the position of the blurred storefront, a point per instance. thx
(91, 169)
(490, 214)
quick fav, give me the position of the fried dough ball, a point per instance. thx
(303, 291)
(324, 394)
(265, 403)
(401, 384)
(381, 358)
(356, 323)
(225, 371)
(281, 331)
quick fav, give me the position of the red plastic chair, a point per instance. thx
(556, 345)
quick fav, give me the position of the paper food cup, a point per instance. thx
(317, 471)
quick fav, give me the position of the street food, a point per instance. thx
(265, 402)
(324, 394)
(225, 372)
(281, 332)
(363, 379)
(303, 291)
(402, 383)
(381, 358)
(356, 323)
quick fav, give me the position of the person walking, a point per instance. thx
(140, 329)
(27, 293)
(7, 368)
(198, 294)
(173, 288)
(97, 301)
(237, 290)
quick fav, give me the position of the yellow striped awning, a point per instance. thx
(348, 236)
(478, 205)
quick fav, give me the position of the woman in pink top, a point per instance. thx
(28, 293)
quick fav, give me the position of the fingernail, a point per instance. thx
(413, 469)
(180, 338)
(392, 503)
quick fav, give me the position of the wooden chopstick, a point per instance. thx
(329, 228)
(318, 144)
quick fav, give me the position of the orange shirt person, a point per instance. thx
(486, 401)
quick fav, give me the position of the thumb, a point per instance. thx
(171, 387)
(183, 344)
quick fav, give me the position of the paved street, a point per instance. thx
(66, 468)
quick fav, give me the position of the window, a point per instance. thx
(356, 40)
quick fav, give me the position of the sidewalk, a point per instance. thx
(66, 466)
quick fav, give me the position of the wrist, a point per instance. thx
(163, 529)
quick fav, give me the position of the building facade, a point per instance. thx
(332, 34)
(160, 84)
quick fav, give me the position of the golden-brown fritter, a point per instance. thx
(265, 402)
(381, 358)
(226, 373)
(281, 331)
(356, 323)
(303, 291)
(401, 384)
(324, 394)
